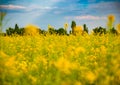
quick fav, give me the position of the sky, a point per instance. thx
(58, 12)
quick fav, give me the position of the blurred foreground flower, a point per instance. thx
(64, 65)
(78, 30)
(91, 77)
(65, 26)
(118, 28)
(31, 30)
(111, 20)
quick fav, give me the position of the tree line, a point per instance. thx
(75, 29)
(32, 30)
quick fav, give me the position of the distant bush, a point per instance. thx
(99, 30)
(51, 31)
(16, 30)
(113, 31)
(75, 29)
(42, 32)
(61, 31)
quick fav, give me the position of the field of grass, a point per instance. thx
(60, 60)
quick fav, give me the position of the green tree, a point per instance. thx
(16, 30)
(10, 31)
(85, 28)
(113, 31)
(73, 25)
(99, 30)
(43, 32)
(21, 31)
(61, 31)
(51, 31)
(16, 27)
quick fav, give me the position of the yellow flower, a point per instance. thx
(10, 62)
(103, 50)
(111, 18)
(34, 67)
(31, 30)
(34, 79)
(66, 26)
(92, 58)
(79, 50)
(65, 83)
(44, 61)
(90, 76)
(23, 65)
(49, 26)
(63, 65)
(118, 28)
(78, 83)
(2, 54)
(78, 30)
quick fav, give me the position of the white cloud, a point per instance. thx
(29, 8)
(12, 7)
(37, 7)
(89, 17)
(86, 17)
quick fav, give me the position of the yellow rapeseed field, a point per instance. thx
(60, 60)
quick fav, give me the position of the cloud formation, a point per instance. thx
(86, 17)
(12, 7)
(37, 7)
(43, 12)
(89, 17)
(30, 8)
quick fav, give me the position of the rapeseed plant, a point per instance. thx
(118, 28)
(78, 30)
(90, 76)
(65, 26)
(111, 19)
(58, 60)
(63, 65)
(31, 30)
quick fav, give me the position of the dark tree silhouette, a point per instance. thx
(85, 28)
(73, 25)
(61, 31)
(99, 30)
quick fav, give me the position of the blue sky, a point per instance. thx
(57, 12)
